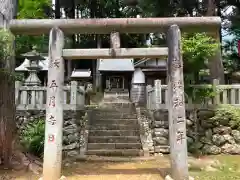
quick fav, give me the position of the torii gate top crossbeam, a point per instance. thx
(106, 26)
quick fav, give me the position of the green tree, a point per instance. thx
(197, 49)
(231, 58)
(28, 9)
(7, 80)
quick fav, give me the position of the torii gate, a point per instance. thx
(54, 110)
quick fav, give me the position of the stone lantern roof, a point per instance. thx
(43, 65)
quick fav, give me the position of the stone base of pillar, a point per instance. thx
(168, 177)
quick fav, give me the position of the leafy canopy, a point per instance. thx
(29, 9)
(196, 49)
(33, 9)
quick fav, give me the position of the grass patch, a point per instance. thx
(229, 169)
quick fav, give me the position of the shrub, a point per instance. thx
(227, 115)
(32, 137)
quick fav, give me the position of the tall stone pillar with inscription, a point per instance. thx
(176, 106)
(54, 110)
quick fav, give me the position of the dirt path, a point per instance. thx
(143, 170)
(224, 167)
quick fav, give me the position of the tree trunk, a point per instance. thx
(57, 9)
(215, 64)
(7, 114)
(7, 94)
(7, 124)
(211, 8)
(11, 155)
(69, 62)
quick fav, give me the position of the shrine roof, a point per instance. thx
(116, 65)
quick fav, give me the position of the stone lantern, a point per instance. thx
(138, 89)
(34, 57)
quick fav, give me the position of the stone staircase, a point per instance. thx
(114, 131)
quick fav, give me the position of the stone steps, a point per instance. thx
(114, 133)
(114, 108)
(116, 152)
(115, 121)
(107, 104)
(114, 127)
(92, 146)
(113, 139)
(120, 159)
(114, 116)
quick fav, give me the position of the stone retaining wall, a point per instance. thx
(72, 130)
(145, 131)
(203, 135)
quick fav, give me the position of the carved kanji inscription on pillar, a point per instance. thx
(55, 63)
(52, 120)
(180, 136)
(177, 85)
(178, 101)
(179, 119)
(52, 102)
(53, 84)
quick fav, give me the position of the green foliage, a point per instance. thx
(200, 94)
(196, 50)
(29, 9)
(227, 115)
(6, 51)
(231, 58)
(24, 43)
(32, 137)
(6, 44)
